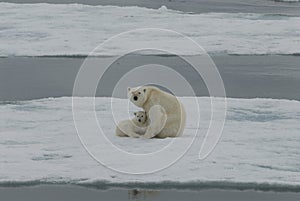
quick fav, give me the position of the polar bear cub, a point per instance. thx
(134, 127)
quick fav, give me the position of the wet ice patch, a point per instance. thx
(50, 156)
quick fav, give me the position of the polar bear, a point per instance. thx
(166, 115)
(134, 127)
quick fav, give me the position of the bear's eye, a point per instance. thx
(142, 116)
(139, 92)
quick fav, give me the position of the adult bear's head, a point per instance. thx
(138, 95)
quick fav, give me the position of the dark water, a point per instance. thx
(75, 193)
(25, 78)
(195, 6)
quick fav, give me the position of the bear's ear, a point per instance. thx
(128, 88)
(144, 90)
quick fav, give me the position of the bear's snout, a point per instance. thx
(135, 98)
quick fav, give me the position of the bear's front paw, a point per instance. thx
(146, 136)
(135, 136)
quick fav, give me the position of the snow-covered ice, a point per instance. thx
(288, 0)
(259, 148)
(74, 29)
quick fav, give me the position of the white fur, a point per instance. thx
(166, 115)
(134, 127)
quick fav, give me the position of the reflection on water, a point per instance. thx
(77, 193)
(142, 194)
(209, 195)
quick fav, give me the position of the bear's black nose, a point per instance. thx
(139, 120)
(135, 98)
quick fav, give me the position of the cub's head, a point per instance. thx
(138, 95)
(140, 117)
